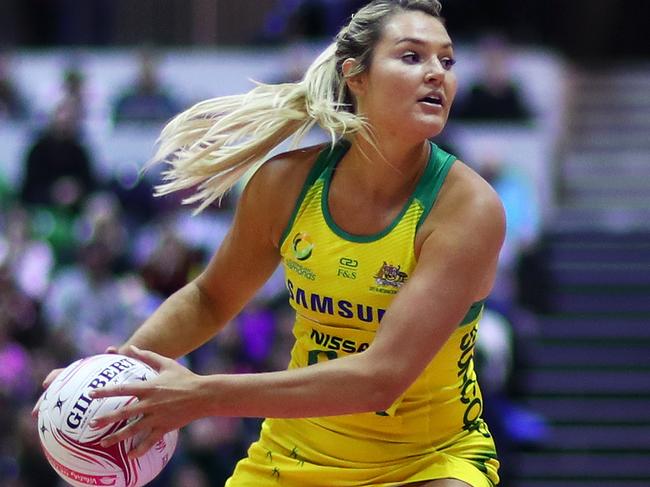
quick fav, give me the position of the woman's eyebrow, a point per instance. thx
(415, 40)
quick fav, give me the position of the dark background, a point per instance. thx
(589, 31)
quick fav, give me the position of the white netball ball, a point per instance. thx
(72, 446)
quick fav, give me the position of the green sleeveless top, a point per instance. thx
(340, 286)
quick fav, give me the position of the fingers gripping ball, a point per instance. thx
(73, 447)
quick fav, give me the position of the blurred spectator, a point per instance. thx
(58, 178)
(103, 221)
(28, 260)
(146, 100)
(205, 231)
(513, 425)
(518, 195)
(25, 268)
(15, 373)
(256, 326)
(12, 103)
(17, 382)
(308, 19)
(89, 306)
(495, 352)
(214, 444)
(9, 468)
(190, 475)
(170, 265)
(295, 62)
(135, 192)
(523, 223)
(35, 471)
(494, 95)
(73, 94)
(6, 192)
(58, 167)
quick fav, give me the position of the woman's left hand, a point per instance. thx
(165, 403)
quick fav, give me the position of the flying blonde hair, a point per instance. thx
(213, 144)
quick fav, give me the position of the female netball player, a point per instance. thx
(389, 246)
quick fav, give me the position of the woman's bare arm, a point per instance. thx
(456, 260)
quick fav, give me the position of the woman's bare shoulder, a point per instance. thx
(467, 184)
(464, 198)
(289, 167)
(276, 185)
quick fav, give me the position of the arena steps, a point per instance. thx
(567, 327)
(587, 381)
(604, 410)
(587, 367)
(603, 173)
(635, 465)
(613, 354)
(571, 482)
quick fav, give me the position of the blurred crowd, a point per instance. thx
(84, 260)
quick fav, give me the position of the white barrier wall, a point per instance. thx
(192, 75)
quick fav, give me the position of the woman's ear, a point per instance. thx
(356, 82)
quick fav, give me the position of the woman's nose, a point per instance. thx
(435, 72)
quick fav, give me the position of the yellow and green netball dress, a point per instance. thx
(340, 286)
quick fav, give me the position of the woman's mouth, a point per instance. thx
(433, 100)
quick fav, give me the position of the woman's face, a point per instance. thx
(410, 86)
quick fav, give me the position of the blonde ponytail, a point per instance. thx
(214, 143)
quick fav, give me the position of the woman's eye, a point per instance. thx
(447, 62)
(411, 57)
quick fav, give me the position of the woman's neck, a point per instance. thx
(384, 171)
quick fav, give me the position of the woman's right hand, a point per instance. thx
(54, 373)
(46, 383)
